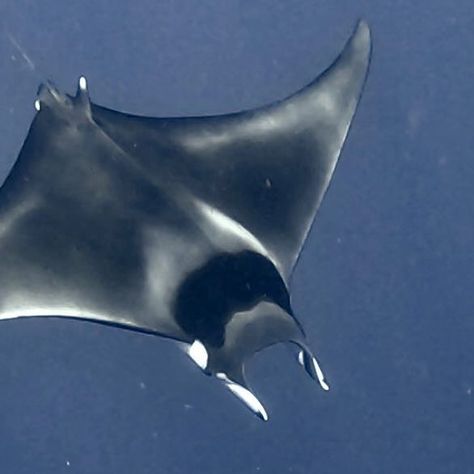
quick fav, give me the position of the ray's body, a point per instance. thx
(184, 227)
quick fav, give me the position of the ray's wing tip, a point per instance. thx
(355, 58)
(361, 39)
(362, 29)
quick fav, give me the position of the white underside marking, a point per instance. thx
(245, 396)
(83, 83)
(198, 354)
(317, 369)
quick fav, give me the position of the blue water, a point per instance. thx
(384, 285)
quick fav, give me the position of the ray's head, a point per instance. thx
(232, 307)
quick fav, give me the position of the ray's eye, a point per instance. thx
(226, 284)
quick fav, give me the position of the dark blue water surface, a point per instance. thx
(384, 286)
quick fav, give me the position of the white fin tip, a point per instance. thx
(317, 370)
(320, 375)
(37, 105)
(301, 358)
(198, 354)
(245, 395)
(83, 84)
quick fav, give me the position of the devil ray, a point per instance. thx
(187, 228)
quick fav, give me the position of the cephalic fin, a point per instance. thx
(234, 380)
(311, 365)
(243, 393)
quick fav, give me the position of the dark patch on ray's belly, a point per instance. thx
(226, 284)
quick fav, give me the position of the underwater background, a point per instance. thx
(384, 286)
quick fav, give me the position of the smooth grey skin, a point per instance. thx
(187, 228)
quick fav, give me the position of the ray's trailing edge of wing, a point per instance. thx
(331, 102)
